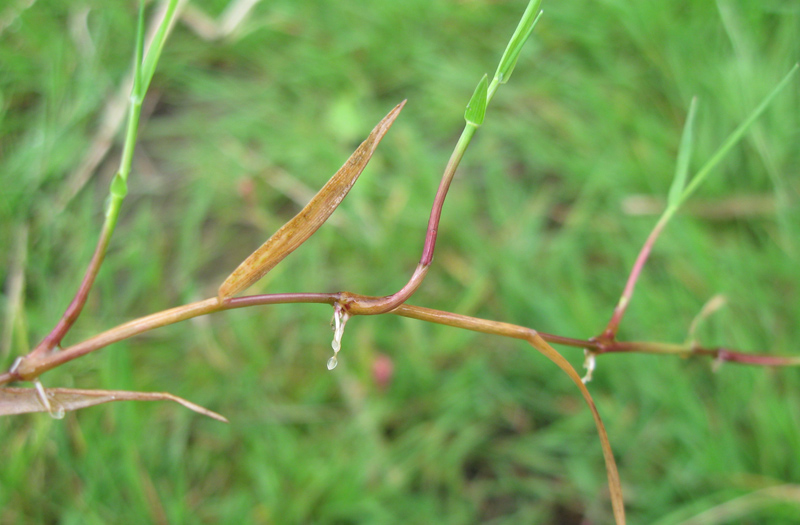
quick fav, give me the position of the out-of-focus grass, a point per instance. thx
(471, 428)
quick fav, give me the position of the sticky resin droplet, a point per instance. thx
(57, 412)
(339, 319)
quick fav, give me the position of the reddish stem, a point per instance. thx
(30, 368)
(75, 307)
(367, 305)
(610, 333)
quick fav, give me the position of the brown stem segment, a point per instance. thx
(536, 340)
(33, 366)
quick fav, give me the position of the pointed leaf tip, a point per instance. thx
(476, 109)
(25, 400)
(298, 229)
(684, 156)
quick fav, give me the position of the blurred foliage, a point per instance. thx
(240, 131)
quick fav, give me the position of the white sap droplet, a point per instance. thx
(336, 345)
(58, 412)
(332, 362)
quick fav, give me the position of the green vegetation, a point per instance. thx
(541, 227)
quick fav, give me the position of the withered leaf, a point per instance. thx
(295, 232)
(25, 400)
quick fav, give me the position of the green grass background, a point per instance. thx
(240, 131)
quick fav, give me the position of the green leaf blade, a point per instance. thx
(119, 187)
(157, 45)
(684, 155)
(518, 39)
(734, 137)
(476, 109)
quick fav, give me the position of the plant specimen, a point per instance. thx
(48, 354)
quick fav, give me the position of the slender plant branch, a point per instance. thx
(143, 70)
(356, 304)
(610, 333)
(474, 116)
(42, 358)
(31, 368)
(681, 189)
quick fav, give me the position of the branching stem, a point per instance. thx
(33, 366)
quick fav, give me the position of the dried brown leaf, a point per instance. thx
(295, 232)
(25, 400)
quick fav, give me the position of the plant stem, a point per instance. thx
(118, 191)
(356, 304)
(76, 305)
(441, 193)
(610, 333)
(33, 366)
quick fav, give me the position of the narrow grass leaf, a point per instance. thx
(476, 109)
(26, 400)
(614, 484)
(684, 155)
(734, 137)
(157, 45)
(295, 232)
(139, 53)
(521, 34)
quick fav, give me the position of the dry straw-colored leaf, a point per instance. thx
(295, 232)
(24, 400)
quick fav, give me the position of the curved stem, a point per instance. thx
(356, 304)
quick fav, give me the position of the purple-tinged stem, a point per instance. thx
(30, 368)
(366, 305)
(441, 194)
(686, 350)
(613, 325)
(75, 307)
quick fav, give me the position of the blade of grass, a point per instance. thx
(154, 53)
(731, 141)
(684, 156)
(476, 109)
(510, 56)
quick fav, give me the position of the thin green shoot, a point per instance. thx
(731, 141)
(684, 156)
(154, 53)
(680, 192)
